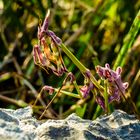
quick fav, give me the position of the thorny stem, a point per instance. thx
(81, 67)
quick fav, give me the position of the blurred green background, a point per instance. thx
(93, 30)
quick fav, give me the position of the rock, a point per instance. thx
(17, 125)
(117, 126)
(20, 125)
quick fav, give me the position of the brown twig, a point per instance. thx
(11, 91)
(19, 103)
(29, 85)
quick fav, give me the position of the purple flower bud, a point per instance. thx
(107, 73)
(104, 72)
(44, 28)
(49, 88)
(114, 96)
(43, 31)
(122, 86)
(87, 74)
(116, 86)
(46, 22)
(56, 39)
(70, 77)
(100, 101)
(86, 89)
(50, 55)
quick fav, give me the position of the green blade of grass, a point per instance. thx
(128, 41)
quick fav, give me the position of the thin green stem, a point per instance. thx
(98, 109)
(38, 97)
(73, 107)
(68, 93)
(97, 112)
(19, 103)
(57, 92)
(81, 67)
(77, 88)
(50, 103)
(94, 81)
(106, 97)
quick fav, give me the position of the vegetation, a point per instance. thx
(93, 33)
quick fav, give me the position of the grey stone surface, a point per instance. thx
(20, 125)
(17, 124)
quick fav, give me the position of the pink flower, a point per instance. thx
(101, 102)
(47, 53)
(85, 90)
(70, 77)
(49, 88)
(116, 86)
(43, 30)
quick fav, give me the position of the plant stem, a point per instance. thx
(68, 93)
(29, 85)
(97, 112)
(77, 88)
(38, 97)
(56, 90)
(19, 103)
(74, 106)
(81, 67)
(50, 102)
(106, 97)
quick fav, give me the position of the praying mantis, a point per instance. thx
(47, 55)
